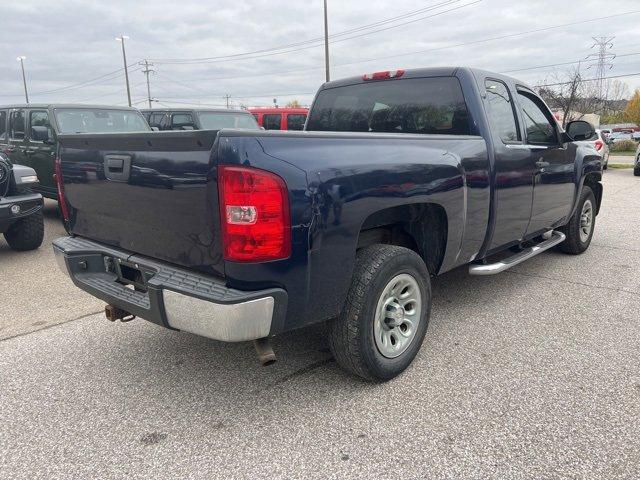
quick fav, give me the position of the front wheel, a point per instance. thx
(579, 230)
(636, 168)
(386, 313)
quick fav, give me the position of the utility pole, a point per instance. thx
(121, 39)
(326, 42)
(227, 97)
(602, 62)
(21, 59)
(147, 71)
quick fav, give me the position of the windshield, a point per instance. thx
(220, 120)
(418, 105)
(87, 120)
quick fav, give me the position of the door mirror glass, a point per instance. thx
(580, 130)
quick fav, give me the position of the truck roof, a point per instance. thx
(213, 110)
(65, 105)
(425, 72)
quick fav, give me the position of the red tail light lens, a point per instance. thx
(254, 212)
(599, 145)
(62, 201)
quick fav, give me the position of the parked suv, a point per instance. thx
(280, 118)
(21, 219)
(199, 119)
(599, 142)
(29, 133)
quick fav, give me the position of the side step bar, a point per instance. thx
(515, 259)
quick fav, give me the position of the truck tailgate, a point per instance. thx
(153, 194)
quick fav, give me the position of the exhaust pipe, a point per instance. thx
(264, 351)
(114, 313)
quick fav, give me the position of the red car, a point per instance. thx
(280, 118)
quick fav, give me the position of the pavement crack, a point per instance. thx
(562, 280)
(23, 334)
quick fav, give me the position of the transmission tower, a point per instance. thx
(602, 61)
(147, 71)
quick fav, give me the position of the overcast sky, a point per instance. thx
(70, 46)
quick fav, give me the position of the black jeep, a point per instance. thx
(21, 219)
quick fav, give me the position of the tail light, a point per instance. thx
(383, 75)
(62, 201)
(254, 211)
(599, 145)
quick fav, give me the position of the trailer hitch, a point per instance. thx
(115, 313)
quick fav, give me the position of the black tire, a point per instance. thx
(351, 335)
(576, 243)
(636, 168)
(27, 233)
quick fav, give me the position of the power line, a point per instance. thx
(313, 40)
(216, 60)
(589, 80)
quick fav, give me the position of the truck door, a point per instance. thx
(554, 186)
(512, 167)
(40, 153)
(16, 144)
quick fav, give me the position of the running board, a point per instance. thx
(517, 258)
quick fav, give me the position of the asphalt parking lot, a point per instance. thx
(534, 373)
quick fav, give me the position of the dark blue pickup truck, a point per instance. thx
(403, 175)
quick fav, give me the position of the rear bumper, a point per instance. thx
(172, 297)
(17, 207)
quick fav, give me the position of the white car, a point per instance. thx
(599, 142)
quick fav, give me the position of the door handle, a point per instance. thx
(29, 151)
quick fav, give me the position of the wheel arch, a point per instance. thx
(421, 227)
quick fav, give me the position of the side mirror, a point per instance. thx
(40, 134)
(580, 130)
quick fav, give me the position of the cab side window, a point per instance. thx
(16, 125)
(540, 125)
(501, 112)
(155, 119)
(296, 121)
(3, 125)
(271, 121)
(39, 119)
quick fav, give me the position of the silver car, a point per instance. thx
(599, 142)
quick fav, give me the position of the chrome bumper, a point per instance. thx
(175, 298)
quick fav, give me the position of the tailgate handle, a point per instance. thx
(117, 167)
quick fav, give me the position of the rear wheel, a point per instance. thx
(386, 313)
(27, 233)
(579, 230)
(636, 168)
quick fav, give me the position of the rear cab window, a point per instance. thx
(501, 111)
(220, 120)
(182, 121)
(430, 105)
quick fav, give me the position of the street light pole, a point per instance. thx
(121, 39)
(326, 42)
(21, 59)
